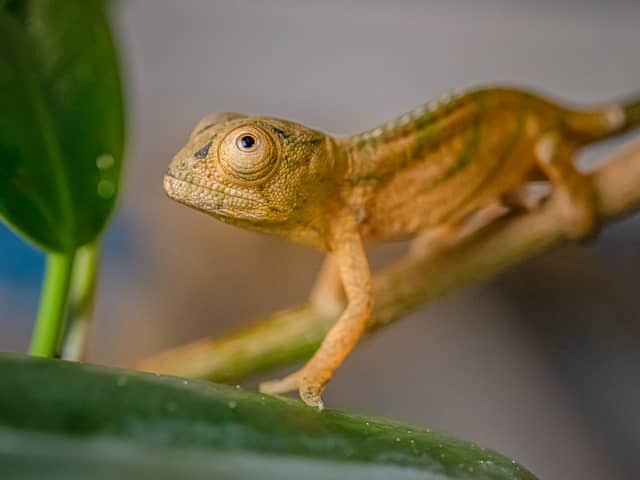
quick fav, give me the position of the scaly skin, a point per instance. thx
(447, 167)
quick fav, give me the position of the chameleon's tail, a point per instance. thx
(606, 121)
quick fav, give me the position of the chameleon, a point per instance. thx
(434, 175)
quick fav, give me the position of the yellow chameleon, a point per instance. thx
(434, 174)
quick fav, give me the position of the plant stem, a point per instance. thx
(81, 300)
(53, 304)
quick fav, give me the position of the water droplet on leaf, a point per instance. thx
(106, 189)
(105, 161)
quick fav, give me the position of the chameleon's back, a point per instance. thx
(444, 160)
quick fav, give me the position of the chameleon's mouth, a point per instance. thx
(177, 189)
(210, 200)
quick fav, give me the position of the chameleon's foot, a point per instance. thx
(310, 390)
(573, 191)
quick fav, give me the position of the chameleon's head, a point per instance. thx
(253, 171)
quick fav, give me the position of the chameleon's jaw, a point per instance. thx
(211, 201)
(193, 195)
(177, 189)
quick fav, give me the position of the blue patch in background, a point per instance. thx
(21, 265)
(21, 268)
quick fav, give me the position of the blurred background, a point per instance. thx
(541, 363)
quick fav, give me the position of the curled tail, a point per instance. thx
(604, 122)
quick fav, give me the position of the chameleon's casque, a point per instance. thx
(435, 174)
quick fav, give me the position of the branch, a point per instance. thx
(293, 335)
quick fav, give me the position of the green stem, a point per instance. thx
(53, 304)
(81, 299)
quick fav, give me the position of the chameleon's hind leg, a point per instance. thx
(350, 256)
(434, 240)
(571, 189)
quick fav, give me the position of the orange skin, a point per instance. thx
(444, 169)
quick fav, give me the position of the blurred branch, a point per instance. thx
(81, 300)
(292, 335)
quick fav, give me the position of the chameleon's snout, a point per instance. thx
(178, 176)
(166, 183)
(185, 190)
(173, 187)
(185, 183)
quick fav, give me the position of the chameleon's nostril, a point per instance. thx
(185, 163)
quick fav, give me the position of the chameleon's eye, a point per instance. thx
(248, 154)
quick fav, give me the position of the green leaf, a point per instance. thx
(68, 420)
(62, 122)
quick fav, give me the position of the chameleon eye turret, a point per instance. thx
(248, 154)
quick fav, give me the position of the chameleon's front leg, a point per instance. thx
(348, 252)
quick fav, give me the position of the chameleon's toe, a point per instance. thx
(283, 385)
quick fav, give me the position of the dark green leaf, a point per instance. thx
(67, 420)
(62, 127)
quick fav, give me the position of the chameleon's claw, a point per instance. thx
(310, 394)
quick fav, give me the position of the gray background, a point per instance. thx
(541, 364)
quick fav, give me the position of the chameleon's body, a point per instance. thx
(433, 170)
